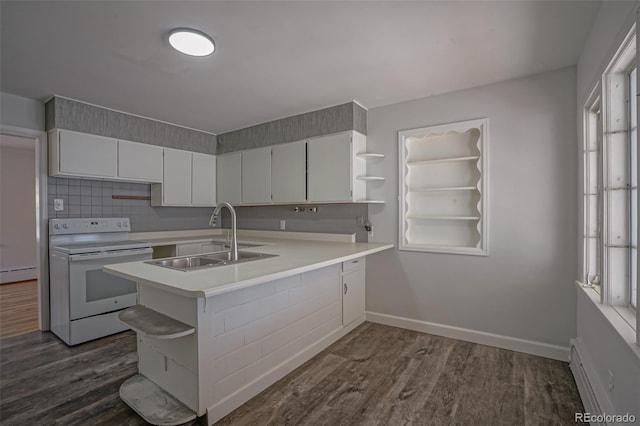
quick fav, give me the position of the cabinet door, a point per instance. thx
(288, 172)
(210, 247)
(203, 182)
(229, 178)
(189, 249)
(87, 155)
(256, 176)
(329, 168)
(353, 298)
(176, 183)
(139, 161)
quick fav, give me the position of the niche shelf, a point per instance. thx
(443, 188)
(370, 155)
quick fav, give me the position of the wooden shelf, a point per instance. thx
(153, 404)
(442, 160)
(368, 155)
(425, 217)
(370, 178)
(450, 188)
(154, 324)
(370, 202)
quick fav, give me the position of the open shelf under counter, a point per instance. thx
(443, 160)
(371, 178)
(154, 324)
(443, 189)
(369, 155)
(427, 217)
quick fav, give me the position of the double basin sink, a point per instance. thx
(209, 260)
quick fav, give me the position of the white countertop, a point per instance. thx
(294, 257)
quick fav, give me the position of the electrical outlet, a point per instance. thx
(370, 233)
(58, 204)
(283, 225)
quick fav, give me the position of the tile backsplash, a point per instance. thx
(93, 198)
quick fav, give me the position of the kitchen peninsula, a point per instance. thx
(211, 339)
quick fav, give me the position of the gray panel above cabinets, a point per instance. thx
(68, 114)
(349, 116)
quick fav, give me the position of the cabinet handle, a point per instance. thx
(354, 261)
(345, 288)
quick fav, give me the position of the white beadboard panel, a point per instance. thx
(227, 342)
(242, 357)
(241, 315)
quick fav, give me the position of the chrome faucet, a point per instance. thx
(234, 228)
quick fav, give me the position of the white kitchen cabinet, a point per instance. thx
(229, 178)
(77, 154)
(190, 249)
(203, 181)
(256, 176)
(289, 172)
(176, 181)
(189, 179)
(138, 161)
(353, 290)
(337, 168)
(329, 168)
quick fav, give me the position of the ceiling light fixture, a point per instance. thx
(191, 42)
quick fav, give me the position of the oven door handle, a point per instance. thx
(109, 254)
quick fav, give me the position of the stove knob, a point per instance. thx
(65, 226)
(125, 223)
(56, 226)
(119, 224)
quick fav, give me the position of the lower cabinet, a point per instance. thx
(353, 290)
(196, 248)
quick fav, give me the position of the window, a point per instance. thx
(610, 199)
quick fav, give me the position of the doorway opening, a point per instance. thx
(19, 266)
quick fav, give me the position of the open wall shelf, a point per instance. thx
(443, 188)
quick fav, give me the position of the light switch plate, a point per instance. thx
(58, 204)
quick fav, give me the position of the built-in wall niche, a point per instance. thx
(443, 188)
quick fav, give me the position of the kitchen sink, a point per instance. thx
(209, 260)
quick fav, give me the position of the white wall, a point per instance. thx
(602, 348)
(17, 204)
(21, 112)
(524, 288)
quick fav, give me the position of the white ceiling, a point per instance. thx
(275, 59)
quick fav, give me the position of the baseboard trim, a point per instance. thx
(23, 274)
(545, 350)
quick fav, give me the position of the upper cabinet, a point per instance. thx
(256, 176)
(176, 183)
(229, 178)
(189, 179)
(330, 168)
(203, 179)
(76, 154)
(138, 161)
(289, 172)
(325, 169)
(337, 168)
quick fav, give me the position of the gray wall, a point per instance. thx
(606, 350)
(524, 288)
(73, 115)
(332, 218)
(21, 112)
(349, 116)
(92, 198)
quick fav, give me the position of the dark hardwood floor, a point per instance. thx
(376, 375)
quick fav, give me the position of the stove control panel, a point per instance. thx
(89, 225)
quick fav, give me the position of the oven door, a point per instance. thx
(92, 291)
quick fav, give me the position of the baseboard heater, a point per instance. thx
(584, 385)
(18, 274)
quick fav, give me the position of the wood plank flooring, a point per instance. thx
(376, 375)
(18, 308)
